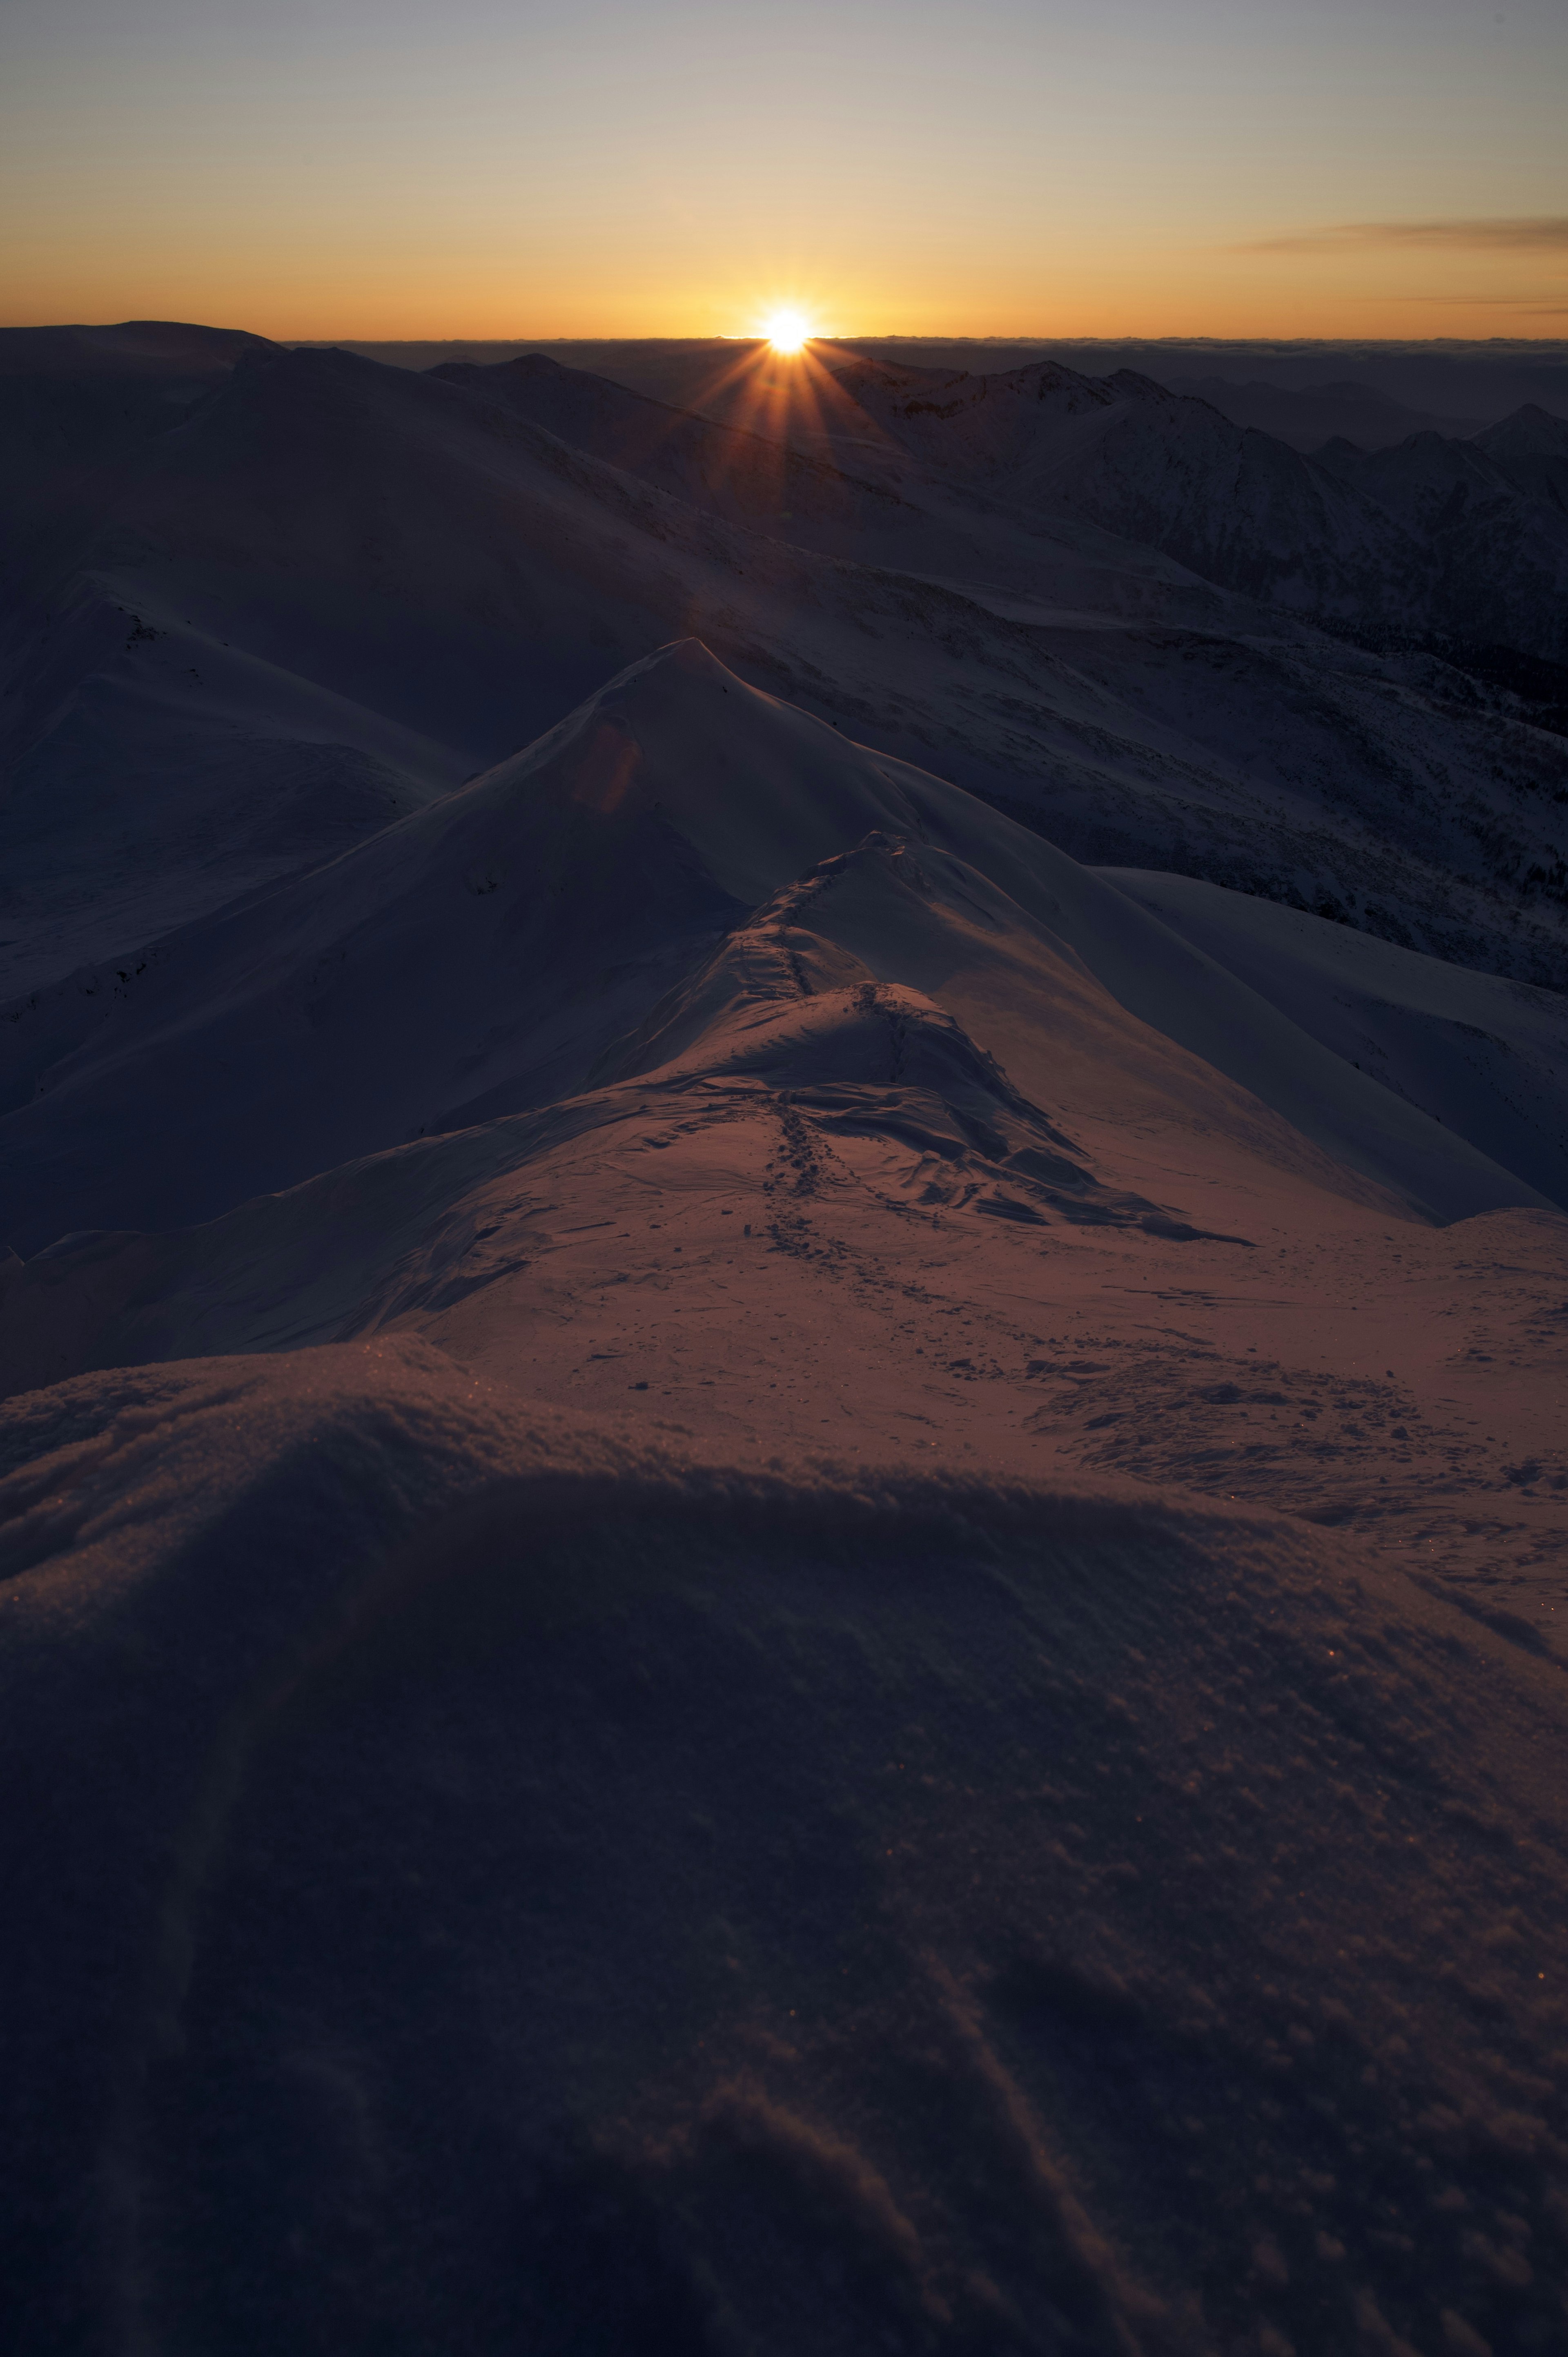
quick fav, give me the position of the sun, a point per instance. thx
(787, 332)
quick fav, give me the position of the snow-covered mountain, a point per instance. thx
(327, 591)
(850, 1246)
(1493, 511)
(1157, 468)
(743, 475)
(1432, 532)
(1307, 417)
(484, 956)
(780, 1574)
(1531, 446)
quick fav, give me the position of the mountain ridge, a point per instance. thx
(782, 1524)
(1094, 688)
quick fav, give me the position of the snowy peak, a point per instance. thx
(720, 467)
(1132, 385)
(965, 423)
(1531, 448)
(1530, 432)
(713, 878)
(1353, 535)
(81, 409)
(1429, 479)
(757, 787)
(475, 958)
(1126, 453)
(146, 348)
(1308, 418)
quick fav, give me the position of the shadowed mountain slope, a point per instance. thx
(1307, 417)
(1531, 447)
(78, 406)
(653, 904)
(1362, 537)
(327, 592)
(743, 475)
(1486, 1058)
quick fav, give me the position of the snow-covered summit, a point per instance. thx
(483, 956)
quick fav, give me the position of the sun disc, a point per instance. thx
(788, 331)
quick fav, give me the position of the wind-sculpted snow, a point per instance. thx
(489, 1885)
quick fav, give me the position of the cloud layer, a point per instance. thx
(1529, 234)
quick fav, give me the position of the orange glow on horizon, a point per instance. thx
(342, 289)
(357, 173)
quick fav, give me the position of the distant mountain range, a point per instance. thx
(260, 602)
(1454, 388)
(1467, 538)
(1317, 414)
(1450, 383)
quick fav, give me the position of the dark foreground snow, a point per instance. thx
(492, 1887)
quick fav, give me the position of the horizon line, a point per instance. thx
(929, 336)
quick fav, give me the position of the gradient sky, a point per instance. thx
(626, 167)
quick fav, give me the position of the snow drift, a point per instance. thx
(489, 1884)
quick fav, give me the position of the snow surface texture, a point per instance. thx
(492, 1885)
(774, 1575)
